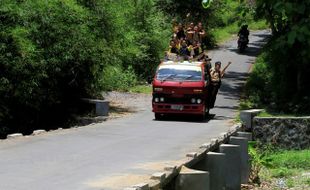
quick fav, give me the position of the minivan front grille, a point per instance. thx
(186, 99)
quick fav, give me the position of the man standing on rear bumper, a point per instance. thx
(216, 74)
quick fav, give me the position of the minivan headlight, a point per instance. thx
(193, 100)
(199, 101)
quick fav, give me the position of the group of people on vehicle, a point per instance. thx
(187, 41)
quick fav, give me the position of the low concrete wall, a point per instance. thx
(285, 132)
(207, 168)
(101, 106)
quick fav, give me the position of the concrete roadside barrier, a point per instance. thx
(232, 166)
(244, 157)
(216, 168)
(217, 165)
(160, 176)
(14, 135)
(247, 116)
(247, 135)
(142, 186)
(192, 179)
(39, 131)
(101, 106)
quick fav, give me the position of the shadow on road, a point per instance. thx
(194, 119)
(185, 118)
(232, 90)
(251, 51)
(264, 36)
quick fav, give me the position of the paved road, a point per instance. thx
(118, 152)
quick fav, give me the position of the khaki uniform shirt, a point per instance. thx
(215, 75)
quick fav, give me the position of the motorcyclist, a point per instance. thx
(244, 32)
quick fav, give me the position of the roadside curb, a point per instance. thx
(83, 121)
(14, 135)
(163, 178)
(39, 131)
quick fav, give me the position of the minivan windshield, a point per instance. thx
(179, 73)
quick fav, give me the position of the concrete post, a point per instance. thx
(142, 186)
(102, 108)
(232, 166)
(192, 179)
(244, 157)
(246, 117)
(216, 169)
(247, 135)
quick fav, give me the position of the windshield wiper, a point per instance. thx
(167, 77)
(189, 77)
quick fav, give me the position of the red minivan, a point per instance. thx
(180, 88)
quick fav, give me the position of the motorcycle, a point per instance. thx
(242, 43)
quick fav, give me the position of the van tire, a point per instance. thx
(158, 116)
(202, 117)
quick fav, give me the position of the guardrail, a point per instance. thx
(221, 164)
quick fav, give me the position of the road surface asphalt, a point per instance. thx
(125, 151)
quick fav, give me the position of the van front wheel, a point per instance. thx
(158, 116)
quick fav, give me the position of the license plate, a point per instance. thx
(177, 107)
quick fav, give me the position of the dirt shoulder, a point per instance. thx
(125, 103)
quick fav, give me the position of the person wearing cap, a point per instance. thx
(216, 74)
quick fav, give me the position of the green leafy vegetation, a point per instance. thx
(290, 159)
(144, 89)
(52, 53)
(117, 78)
(50, 57)
(271, 165)
(279, 81)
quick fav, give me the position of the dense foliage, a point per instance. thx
(219, 15)
(281, 77)
(52, 53)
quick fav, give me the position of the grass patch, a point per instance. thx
(258, 25)
(282, 172)
(292, 167)
(291, 159)
(223, 34)
(143, 89)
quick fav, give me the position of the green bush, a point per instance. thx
(117, 78)
(258, 86)
(52, 53)
(142, 34)
(49, 58)
(288, 53)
